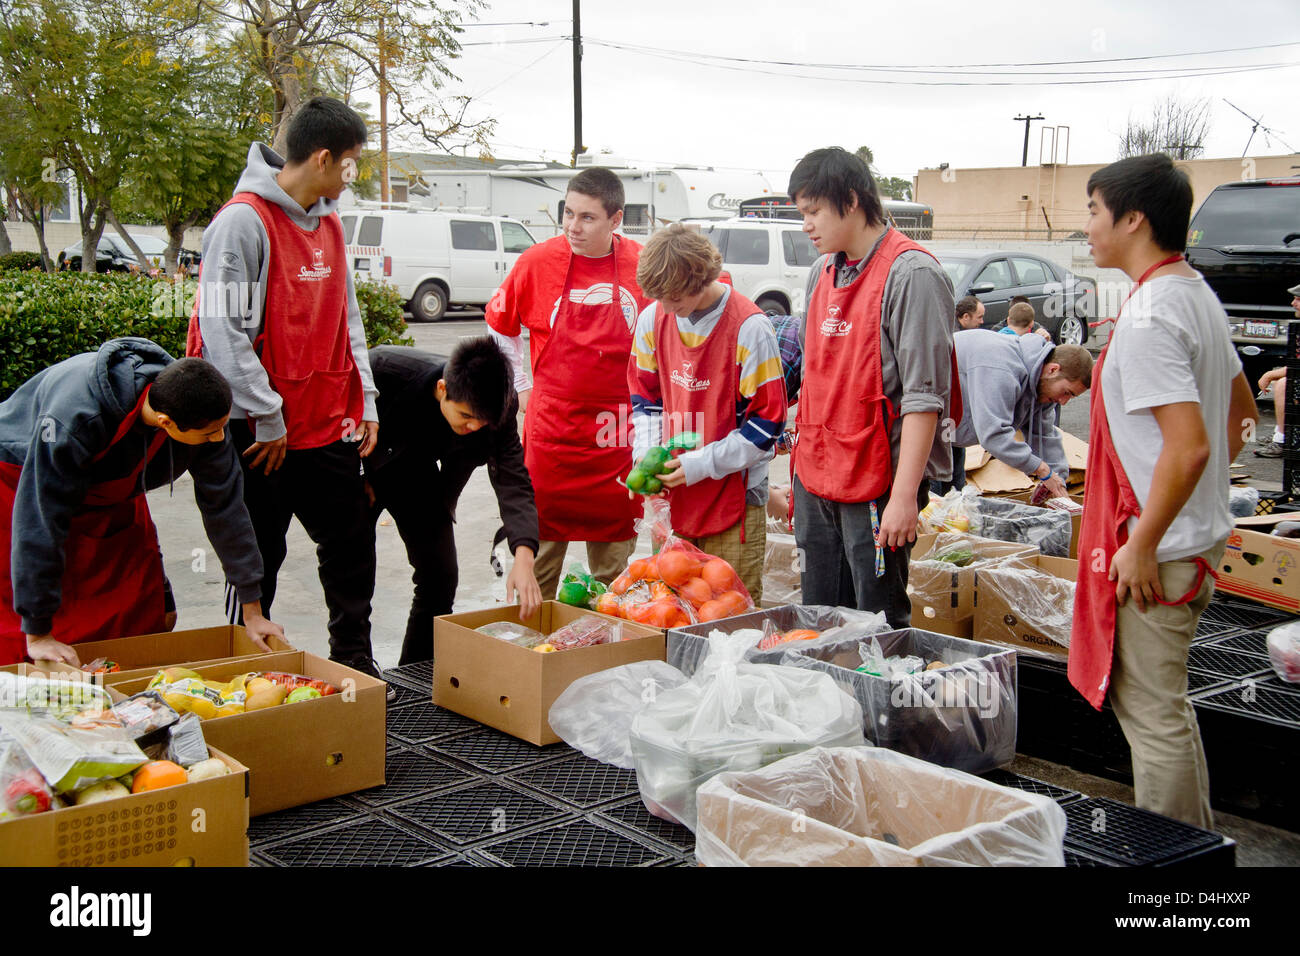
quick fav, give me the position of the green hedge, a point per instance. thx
(46, 318)
(21, 262)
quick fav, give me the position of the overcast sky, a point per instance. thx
(657, 109)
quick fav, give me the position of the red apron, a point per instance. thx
(842, 451)
(577, 430)
(701, 387)
(112, 582)
(304, 344)
(1108, 503)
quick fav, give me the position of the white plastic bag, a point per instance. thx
(1284, 651)
(733, 715)
(867, 806)
(594, 713)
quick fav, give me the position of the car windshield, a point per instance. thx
(956, 268)
(150, 245)
(1246, 216)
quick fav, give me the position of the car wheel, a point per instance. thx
(1071, 331)
(429, 303)
(771, 305)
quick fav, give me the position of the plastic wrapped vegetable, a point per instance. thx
(513, 633)
(953, 512)
(61, 699)
(72, 757)
(730, 716)
(579, 589)
(1284, 651)
(643, 478)
(585, 632)
(23, 790)
(594, 714)
(1048, 530)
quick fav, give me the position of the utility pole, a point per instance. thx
(1024, 157)
(384, 195)
(577, 83)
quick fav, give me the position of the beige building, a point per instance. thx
(1048, 201)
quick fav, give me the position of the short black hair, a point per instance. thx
(1020, 298)
(324, 123)
(479, 375)
(1153, 186)
(967, 305)
(600, 183)
(192, 393)
(836, 175)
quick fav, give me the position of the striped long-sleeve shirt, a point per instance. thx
(760, 398)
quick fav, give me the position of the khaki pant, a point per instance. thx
(606, 559)
(746, 558)
(1148, 689)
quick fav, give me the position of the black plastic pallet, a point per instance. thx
(1078, 858)
(406, 696)
(1254, 643)
(1005, 778)
(477, 813)
(312, 816)
(1272, 682)
(427, 722)
(633, 814)
(491, 751)
(580, 843)
(1199, 681)
(413, 773)
(580, 781)
(1211, 659)
(372, 842)
(417, 676)
(1278, 707)
(1115, 831)
(1243, 616)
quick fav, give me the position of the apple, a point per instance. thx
(302, 693)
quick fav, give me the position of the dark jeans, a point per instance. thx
(322, 488)
(839, 556)
(423, 521)
(958, 473)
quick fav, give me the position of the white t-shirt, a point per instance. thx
(1171, 344)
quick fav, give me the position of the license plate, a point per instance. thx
(1262, 330)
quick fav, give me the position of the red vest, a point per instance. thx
(701, 386)
(304, 344)
(844, 418)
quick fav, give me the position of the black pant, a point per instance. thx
(322, 488)
(838, 551)
(958, 474)
(410, 493)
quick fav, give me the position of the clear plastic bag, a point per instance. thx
(1068, 505)
(594, 713)
(23, 790)
(782, 574)
(74, 755)
(871, 807)
(941, 582)
(1046, 529)
(1284, 651)
(943, 699)
(1243, 502)
(954, 512)
(687, 647)
(732, 716)
(61, 699)
(513, 633)
(585, 632)
(1025, 600)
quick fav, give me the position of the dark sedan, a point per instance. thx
(1063, 302)
(114, 255)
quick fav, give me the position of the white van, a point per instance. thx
(434, 259)
(768, 260)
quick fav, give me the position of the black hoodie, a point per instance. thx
(55, 424)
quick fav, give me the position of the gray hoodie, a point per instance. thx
(232, 294)
(999, 388)
(55, 425)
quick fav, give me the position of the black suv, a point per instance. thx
(1245, 240)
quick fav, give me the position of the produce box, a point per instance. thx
(688, 646)
(782, 570)
(194, 824)
(512, 688)
(1026, 497)
(303, 752)
(944, 591)
(1260, 566)
(962, 715)
(1028, 608)
(865, 806)
(145, 654)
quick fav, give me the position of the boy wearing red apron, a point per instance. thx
(577, 295)
(80, 444)
(277, 313)
(1170, 407)
(880, 396)
(705, 359)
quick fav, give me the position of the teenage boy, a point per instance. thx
(1018, 384)
(80, 444)
(1274, 383)
(879, 377)
(970, 313)
(442, 419)
(1170, 407)
(705, 358)
(1020, 320)
(291, 343)
(577, 296)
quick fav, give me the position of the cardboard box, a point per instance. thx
(1000, 619)
(304, 752)
(512, 688)
(945, 593)
(145, 654)
(195, 824)
(1260, 566)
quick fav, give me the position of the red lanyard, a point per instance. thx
(1176, 257)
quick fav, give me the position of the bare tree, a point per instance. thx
(1174, 126)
